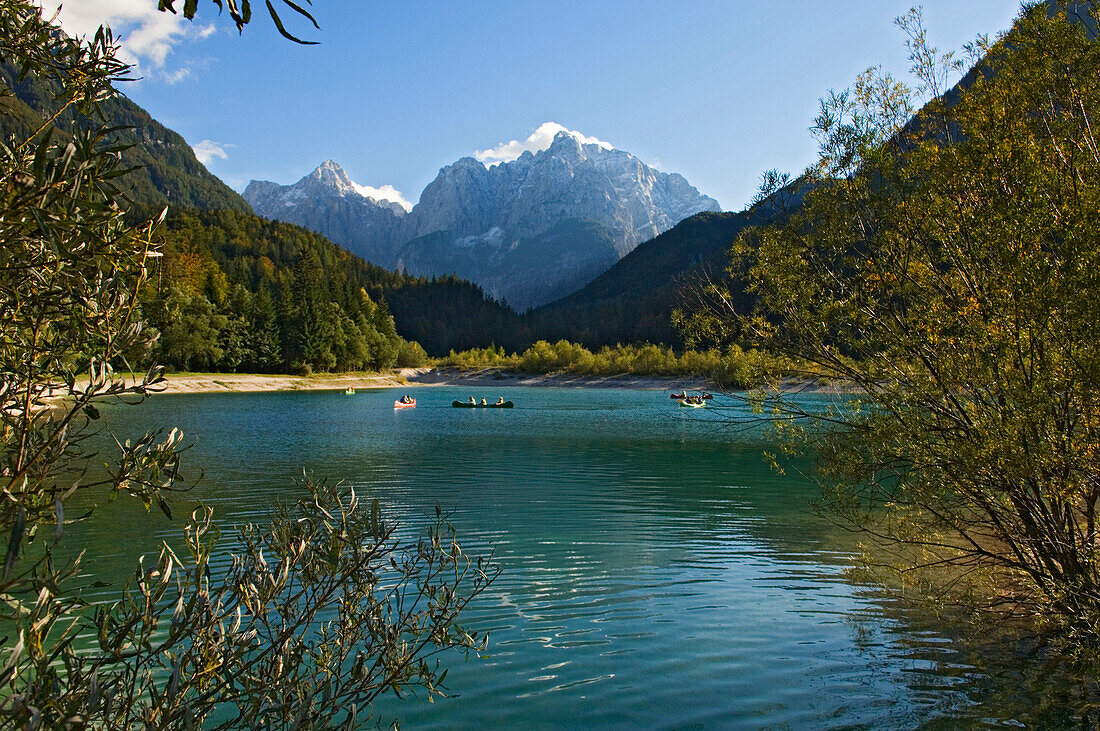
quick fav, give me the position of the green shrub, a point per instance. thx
(410, 354)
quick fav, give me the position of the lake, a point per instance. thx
(657, 573)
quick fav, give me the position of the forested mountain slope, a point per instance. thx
(634, 300)
(166, 169)
(238, 292)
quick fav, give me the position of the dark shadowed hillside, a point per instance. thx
(633, 301)
(166, 170)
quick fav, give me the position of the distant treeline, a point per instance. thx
(236, 292)
(731, 368)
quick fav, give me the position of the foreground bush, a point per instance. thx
(946, 268)
(319, 613)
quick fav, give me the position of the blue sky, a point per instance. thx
(717, 91)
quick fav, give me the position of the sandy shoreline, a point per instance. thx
(413, 377)
(247, 382)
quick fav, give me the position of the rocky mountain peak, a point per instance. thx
(567, 146)
(326, 200)
(330, 173)
(528, 228)
(329, 180)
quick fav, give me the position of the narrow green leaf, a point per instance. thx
(283, 31)
(302, 11)
(15, 541)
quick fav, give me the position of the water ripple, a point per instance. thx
(656, 572)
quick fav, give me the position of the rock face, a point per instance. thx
(528, 231)
(328, 202)
(525, 271)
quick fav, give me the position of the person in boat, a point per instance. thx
(483, 401)
(406, 400)
(472, 401)
(500, 400)
(684, 394)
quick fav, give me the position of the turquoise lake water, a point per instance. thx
(656, 572)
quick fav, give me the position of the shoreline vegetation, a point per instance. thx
(562, 364)
(198, 383)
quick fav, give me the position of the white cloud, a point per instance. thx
(175, 77)
(385, 193)
(147, 35)
(207, 150)
(540, 139)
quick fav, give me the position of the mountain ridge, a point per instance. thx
(501, 222)
(164, 168)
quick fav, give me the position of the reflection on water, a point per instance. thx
(656, 572)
